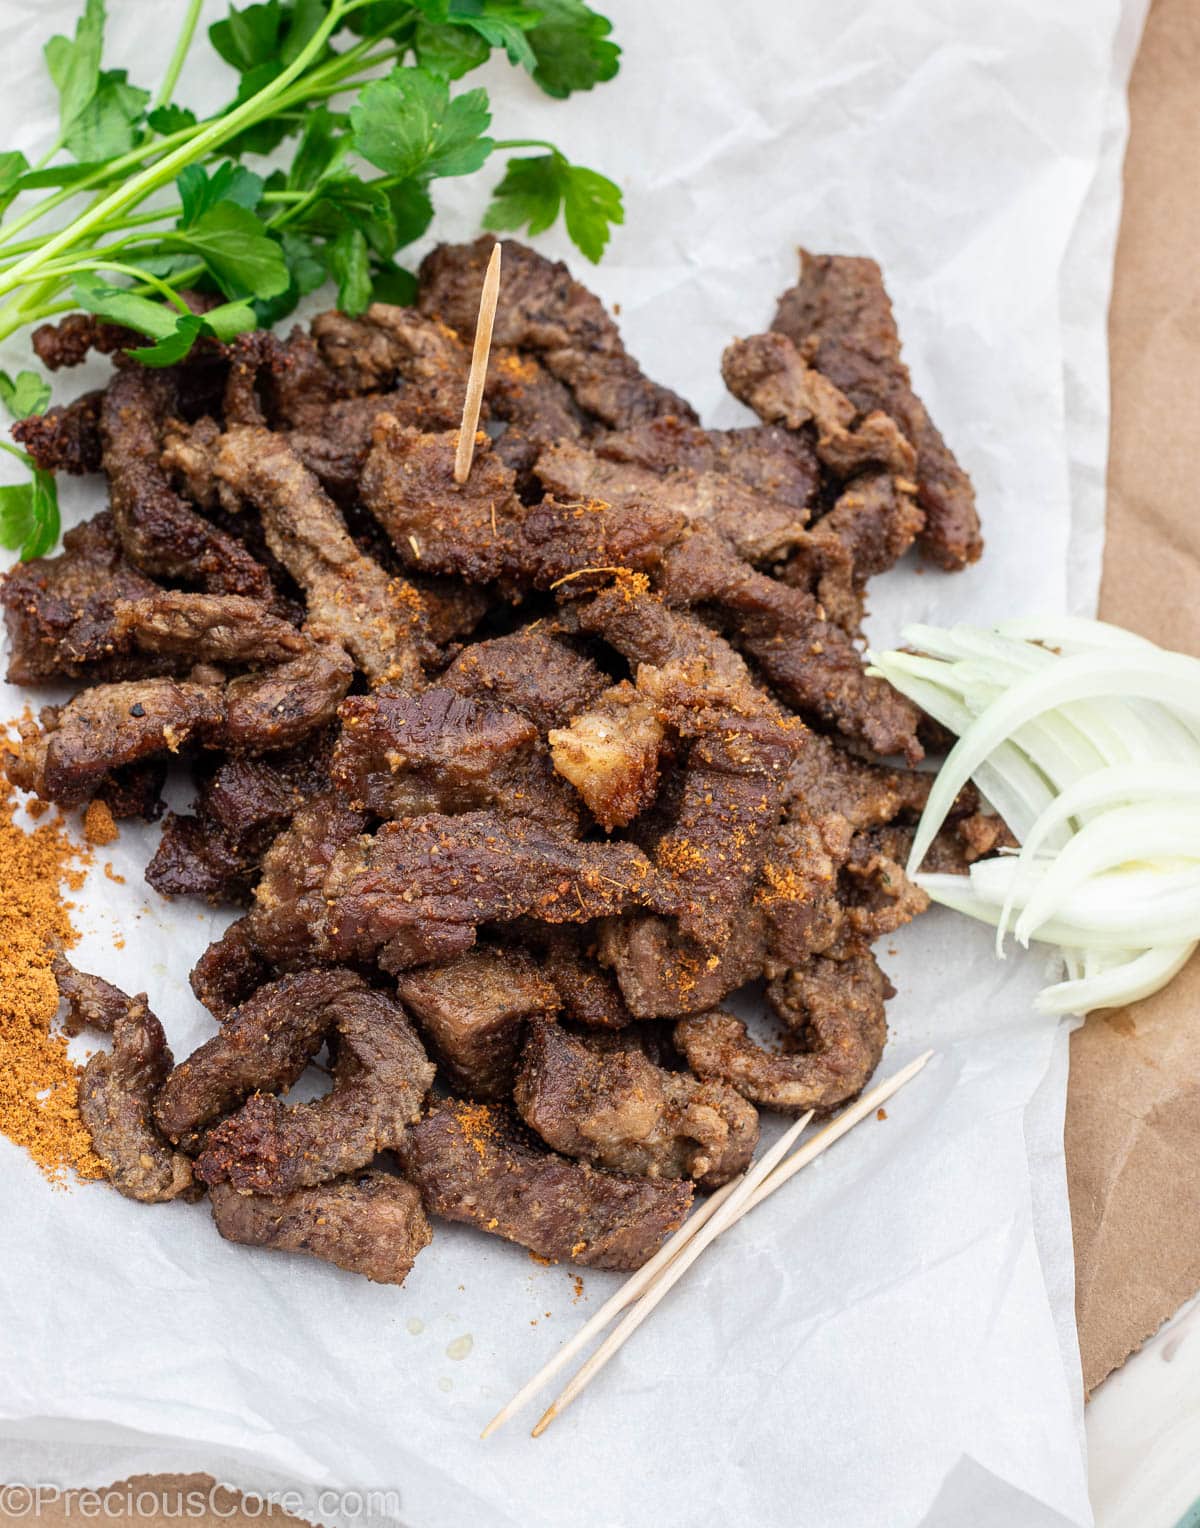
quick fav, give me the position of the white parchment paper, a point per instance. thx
(891, 1342)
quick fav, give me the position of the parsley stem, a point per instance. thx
(524, 143)
(159, 174)
(171, 78)
(21, 456)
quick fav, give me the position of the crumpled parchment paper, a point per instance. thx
(891, 1340)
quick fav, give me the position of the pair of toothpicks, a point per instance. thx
(720, 1211)
(488, 299)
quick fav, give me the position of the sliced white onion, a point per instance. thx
(1086, 738)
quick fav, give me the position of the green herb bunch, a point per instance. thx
(144, 200)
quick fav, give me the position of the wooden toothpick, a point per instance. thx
(651, 1282)
(479, 365)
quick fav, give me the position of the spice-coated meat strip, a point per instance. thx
(65, 438)
(69, 755)
(59, 610)
(530, 671)
(617, 1110)
(289, 901)
(264, 1043)
(160, 531)
(473, 1013)
(400, 755)
(351, 599)
(834, 1009)
(118, 1088)
(810, 662)
(372, 1223)
(380, 1080)
(217, 851)
(473, 1163)
(543, 309)
(758, 527)
(482, 531)
(415, 891)
(72, 752)
(229, 971)
(207, 628)
(840, 315)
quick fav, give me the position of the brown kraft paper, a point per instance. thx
(1133, 1102)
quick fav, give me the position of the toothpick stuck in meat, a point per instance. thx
(488, 298)
(667, 1266)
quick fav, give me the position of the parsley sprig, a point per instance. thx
(139, 199)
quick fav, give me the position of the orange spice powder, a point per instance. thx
(39, 1083)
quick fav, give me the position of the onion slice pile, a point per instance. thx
(1086, 739)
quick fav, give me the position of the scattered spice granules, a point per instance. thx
(98, 825)
(39, 1083)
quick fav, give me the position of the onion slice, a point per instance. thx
(1086, 739)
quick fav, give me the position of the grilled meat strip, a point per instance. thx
(544, 310)
(474, 1164)
(400, 755)
(371, 1224)
(59, 611)
(264, 1043)
(217, 852)
(617, 1110)
(380, 1080)
(160, 532)
(473, 1014)
(839, 314)
(415, 891)
(119, 1087)
(834, 1011)
(351, 600)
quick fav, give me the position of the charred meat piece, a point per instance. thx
(610, 754)
(840, 315)
(481, 531)
(834, 1010)
(387, 346)
(264, 1043)
(206, 628)
(78, 745)
(617, 1110)
(770, 375)
(758, 527)
(877, 895)
(415, 891)
(663, 973)
(59, 610)
(729, 798)
(797, 897)
(217, 852)
(644, 630)
(473, 1014)
(68, 342)
(280, 707)
(160, 532)
(289, 902)
(65, 438)
(229, 971)
(436, 524)
(371, 1224)
(589, 994)
(530, 671)
(810, 662)
(473, 1163)
(544, 310)
(380, 1080)
(350, 598)
(118, 1089)
(400, 755)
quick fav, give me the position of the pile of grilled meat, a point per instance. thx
(518, 780)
